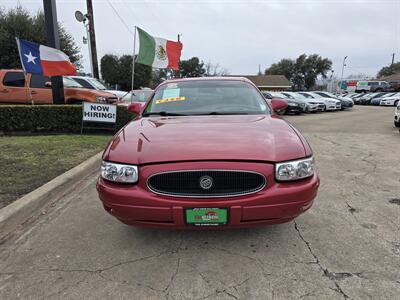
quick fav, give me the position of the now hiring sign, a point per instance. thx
(96, 112)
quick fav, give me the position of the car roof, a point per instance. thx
(216, 78)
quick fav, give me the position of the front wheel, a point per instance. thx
(396, 102)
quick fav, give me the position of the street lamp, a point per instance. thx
(341, 78)
(80, 17)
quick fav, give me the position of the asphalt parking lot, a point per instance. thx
(346, 247)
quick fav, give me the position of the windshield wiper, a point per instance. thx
(162, 113)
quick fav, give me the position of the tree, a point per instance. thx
(303, 71)
(191, 68)
(389, 70)
(118, 70)
(215, 69)
(19, 23)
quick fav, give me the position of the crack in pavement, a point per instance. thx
(334, 277)
(225, 290)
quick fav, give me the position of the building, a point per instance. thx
(269, 82)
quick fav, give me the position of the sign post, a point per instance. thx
(101, 114)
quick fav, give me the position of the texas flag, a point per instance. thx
(39, 59)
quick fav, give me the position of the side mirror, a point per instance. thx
(47, 84)
(135, 108)
(278, 105)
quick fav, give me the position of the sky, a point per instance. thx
(240, 35)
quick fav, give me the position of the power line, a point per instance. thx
(120, 18)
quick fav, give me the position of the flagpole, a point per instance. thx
(133, 63)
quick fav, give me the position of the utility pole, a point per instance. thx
(392, 58)
(341, 78)
(53, 40)
(92, 38)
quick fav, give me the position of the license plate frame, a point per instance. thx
(206, 216)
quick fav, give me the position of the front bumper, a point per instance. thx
(333, 106)
(291, 109)
(275, 203)
(386, 103)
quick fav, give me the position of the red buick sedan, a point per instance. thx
(206, 153)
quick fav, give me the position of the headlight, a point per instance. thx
(293, 103)
(293, 170)
(331, 102)
(119, 172)
(101, 99)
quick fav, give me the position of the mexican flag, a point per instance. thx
(157, 52)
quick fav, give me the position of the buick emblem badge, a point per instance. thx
(206, 182)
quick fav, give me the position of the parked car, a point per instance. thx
(345, 101)
(207, 152)
(377, 100)
(95, 84)
(373, 86)
(395, 85)
(330, 104)
(19, 88)
(392, 100)
(366, 99)
(294, 106)
(357, 98)
(397, 115)
(312, 105)
(138, 96)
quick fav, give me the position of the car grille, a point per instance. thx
(206, 183)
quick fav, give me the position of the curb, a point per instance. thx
(24, 208)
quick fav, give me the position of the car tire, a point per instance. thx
(396, 124)
(396, 102)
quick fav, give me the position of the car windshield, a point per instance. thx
(289, 96)
(279, 95)
(389, 95)
(321, 94)
(68, 82)
(307, 95)
(97, 84)
(203, 97)
(298, 95)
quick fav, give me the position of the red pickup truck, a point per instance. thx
(19, 88)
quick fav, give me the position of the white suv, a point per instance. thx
(372, 86)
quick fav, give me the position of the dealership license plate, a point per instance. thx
(206, 216)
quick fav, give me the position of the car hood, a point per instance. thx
(117, 93)
(326, 99)
(390, 98)
(170, 139)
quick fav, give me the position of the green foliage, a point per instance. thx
(49, 118)
(19, 23)
(389, 70)
(191, 68)
(303, 71)
(118, 70)
(34, 160)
